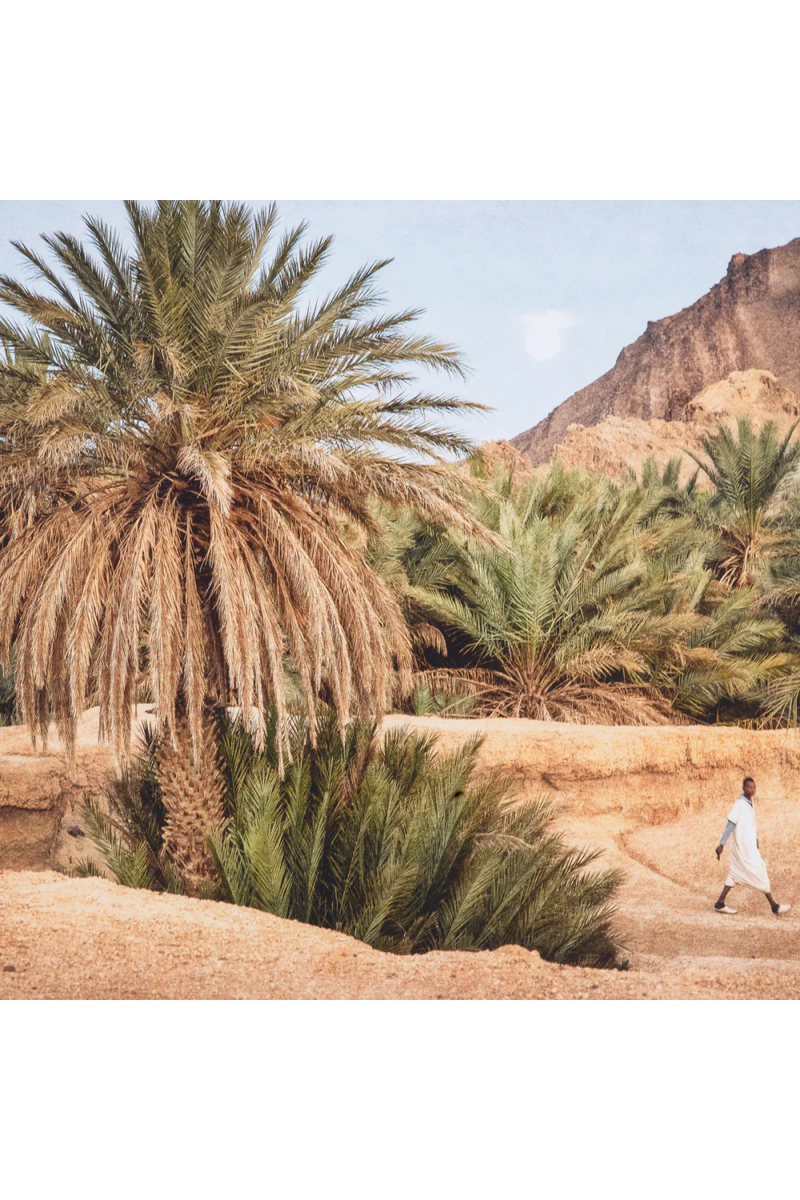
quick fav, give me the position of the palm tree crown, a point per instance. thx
(748, 471)
(560, 610)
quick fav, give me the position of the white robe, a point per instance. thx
(745, 864)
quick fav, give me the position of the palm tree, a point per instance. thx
(557, 623)
(748, 472)
(205, 439)
(600, 606)
(730, 649)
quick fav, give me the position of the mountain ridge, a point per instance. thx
(749, 320)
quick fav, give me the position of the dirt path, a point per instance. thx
(672, 878)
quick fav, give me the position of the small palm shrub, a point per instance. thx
(385, 840)
(129, 830)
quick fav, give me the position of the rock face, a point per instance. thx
(750, 319)
(651, 773)
(619, 444)
(39, 803)
(502, 456)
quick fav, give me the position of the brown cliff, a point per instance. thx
(750, 319)
(621, 444)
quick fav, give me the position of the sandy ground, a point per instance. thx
(90, 939)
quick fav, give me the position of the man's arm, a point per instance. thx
(729, 828)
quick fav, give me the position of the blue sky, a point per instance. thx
(539, 296)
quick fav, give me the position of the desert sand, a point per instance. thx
(655, 799)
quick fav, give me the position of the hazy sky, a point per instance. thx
(540, 296)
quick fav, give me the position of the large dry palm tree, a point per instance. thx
(206, 435)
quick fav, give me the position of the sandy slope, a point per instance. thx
(89, 939)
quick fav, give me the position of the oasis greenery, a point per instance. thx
(382, 838)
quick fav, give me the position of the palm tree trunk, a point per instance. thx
(192, 791)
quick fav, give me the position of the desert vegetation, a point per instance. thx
(220, 490)
(640, 601)
(405, 850)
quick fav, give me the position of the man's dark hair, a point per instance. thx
(747, 779)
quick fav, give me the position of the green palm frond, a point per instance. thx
(750, 473)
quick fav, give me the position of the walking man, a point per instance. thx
(745, 864)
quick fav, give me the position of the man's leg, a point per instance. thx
(723, 896)
(778, 909)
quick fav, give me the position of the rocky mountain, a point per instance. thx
(619, 444)
(749, 320)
